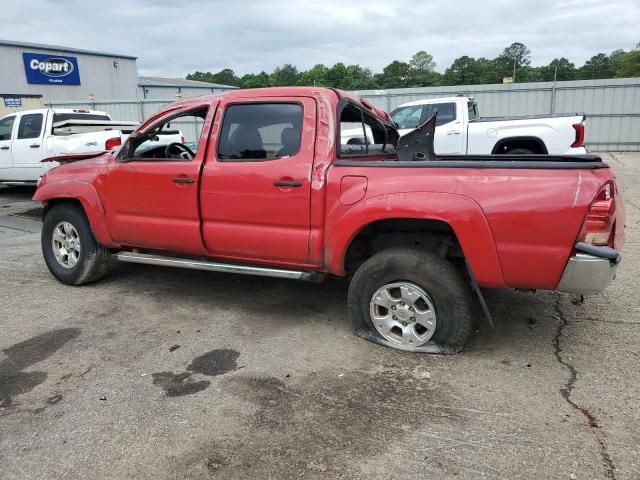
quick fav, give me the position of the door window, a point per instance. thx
(256, 132)
(446, 112)
(173, 139)
(30, 126)
(6, 127)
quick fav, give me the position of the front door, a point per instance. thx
(256, 183)
(449, 138)
(6, 132)
(27, 149)
(150, 193)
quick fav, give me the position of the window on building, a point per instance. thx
(30, 126)
(260, 131)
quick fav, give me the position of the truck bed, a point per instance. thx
(545, 162)
(526, 117)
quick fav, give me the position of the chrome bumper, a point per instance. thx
(589, 273)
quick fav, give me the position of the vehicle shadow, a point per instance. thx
(18, 192)
(274, 303)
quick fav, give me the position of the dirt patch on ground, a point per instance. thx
(317, 426)
(13, 379)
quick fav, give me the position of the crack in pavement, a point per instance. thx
(610, 469)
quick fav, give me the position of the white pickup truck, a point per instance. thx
(460, 130)
(28, 137)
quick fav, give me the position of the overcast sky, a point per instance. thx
(173, 38)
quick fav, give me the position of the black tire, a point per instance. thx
(93, 260)
(520, 151)
(436, 276)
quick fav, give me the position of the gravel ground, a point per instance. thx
(161, 373)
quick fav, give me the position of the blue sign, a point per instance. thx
(51, 69)
(12, 101)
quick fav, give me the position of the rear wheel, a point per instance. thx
(520, 151)
(412, 300)
(70, 250)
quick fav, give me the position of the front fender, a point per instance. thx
(86, 194)
(461, 213)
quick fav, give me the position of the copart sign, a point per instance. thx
(51, 69)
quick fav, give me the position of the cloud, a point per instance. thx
(174, 38)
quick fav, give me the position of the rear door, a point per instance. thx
(7, 127)
(256, 183)
(27, 145)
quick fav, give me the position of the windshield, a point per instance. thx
(407, 117)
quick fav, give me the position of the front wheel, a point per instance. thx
(412, 300)
(70, 250)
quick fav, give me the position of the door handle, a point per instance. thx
(183, 180)
(287, 183)
(34, 145)
(4, 148)
(453, 132)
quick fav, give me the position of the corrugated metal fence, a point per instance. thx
(612, 105)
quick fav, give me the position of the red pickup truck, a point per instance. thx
(268, 188)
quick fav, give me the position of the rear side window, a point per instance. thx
(473, 111)
(30, 126)
(260, 132)
(6, 127)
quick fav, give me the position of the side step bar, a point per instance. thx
(150, 259)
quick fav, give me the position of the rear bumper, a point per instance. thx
(576, 151)
(590, 271)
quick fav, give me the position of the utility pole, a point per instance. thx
(514, 69)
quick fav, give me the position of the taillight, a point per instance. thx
(598, 227)
(579, 128)
(112, 143)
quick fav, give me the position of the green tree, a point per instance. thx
(251, 80)
(285, 76)
(422, 70)
(359, 78)
(337, 76)
(512, 59)
(470, 71)
(395, 75)
(598, 66)
(561, 68)
(629, 65)
(317, 75)
(463, 71)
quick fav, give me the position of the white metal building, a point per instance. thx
(33, 75)
(161, 88)
(58, 73)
